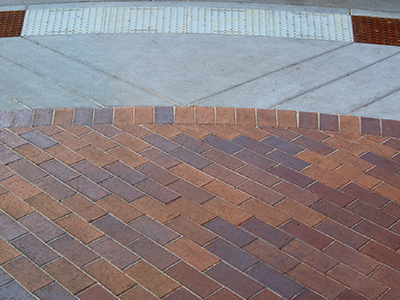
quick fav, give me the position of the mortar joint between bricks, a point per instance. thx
(132, 264)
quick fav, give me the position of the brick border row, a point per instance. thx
(200, 116)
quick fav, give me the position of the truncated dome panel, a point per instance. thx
(11, 23)
(383, 31)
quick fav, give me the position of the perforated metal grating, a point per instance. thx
(11, 23)
(192, 20)
(373, 30)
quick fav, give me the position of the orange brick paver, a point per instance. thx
(222, 203)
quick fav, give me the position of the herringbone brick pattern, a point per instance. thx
(209, 211)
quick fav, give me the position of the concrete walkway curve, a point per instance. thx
(215, 160)
(57, 64)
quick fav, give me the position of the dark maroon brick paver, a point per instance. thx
(231, 254)
(114, 252)
(73, 250)
(154, 230)
(251, 144)
(163, 115)
(117, 229)
(153, 253)
(41, 227)
(91, 171)
(83, 116)
(191, 158)
(275, 280)
(156, 190)
(232, 233)
(161, 142)
(282, 144)
(121, 189)
(59, 170)
(191, 143)
(10, 139)
(39, 139)
(234, 280)
(34, 249)
(122, 171)
(42, 117)
(14, 290)
(221, 144)
(6, 119)
(88, 188)
(22, 118)
(54, 291)
(27, 170)
(267, 232)
(103, 116)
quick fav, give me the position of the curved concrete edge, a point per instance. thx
(356, 11)
(200, 116)
(370, 5)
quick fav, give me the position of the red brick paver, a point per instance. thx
(199, 203)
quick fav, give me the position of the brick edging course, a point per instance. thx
(200, 116)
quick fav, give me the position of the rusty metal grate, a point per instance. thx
(11, 23)
(383, 31)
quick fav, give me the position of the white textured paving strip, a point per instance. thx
(193, 20)
(308, 25)
(64, 21)
(146, 20)
(228, 21)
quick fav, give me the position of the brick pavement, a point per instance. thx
(198, 203)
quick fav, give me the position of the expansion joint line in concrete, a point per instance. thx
(269, 73)
(337, 79)
(103, 72)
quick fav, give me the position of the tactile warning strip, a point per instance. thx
(11, 23)
(64, 21)
(372, 30)
(193, 20)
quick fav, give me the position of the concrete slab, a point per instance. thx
(185, 68)
(288, 83)
(385, 108)
(35, 91)
(7, 103)
(98, 86)
(12, 8)
(371, 13)
(349, 94)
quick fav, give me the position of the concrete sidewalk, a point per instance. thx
(144, 69)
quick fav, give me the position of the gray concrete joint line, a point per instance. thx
(54, 81)
(335, 80)
(267, 74)
(374, 101)
(101, 71)
(15, 100)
